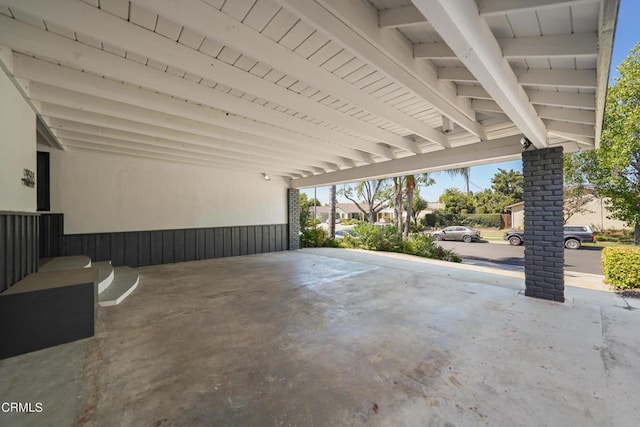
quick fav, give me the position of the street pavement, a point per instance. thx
(583, 260)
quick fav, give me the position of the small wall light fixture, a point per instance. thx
(526, 144)
(266, 177)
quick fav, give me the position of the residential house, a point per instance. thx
(595, 214)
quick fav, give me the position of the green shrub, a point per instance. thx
(442, 218)
(420, 245)
(376, 238)
(350, 221)
(482, 220)
(447, 255)
(614, 236)
(313, 237)
(332, 243)
(621, 267)
(388, 239)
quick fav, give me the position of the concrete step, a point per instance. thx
(105, 274)
(64, 263)
(125, 280)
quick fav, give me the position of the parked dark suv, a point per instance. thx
(574, 236)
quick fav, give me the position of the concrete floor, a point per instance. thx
(335, 337)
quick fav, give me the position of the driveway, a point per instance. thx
(333, 337)
(583, 260)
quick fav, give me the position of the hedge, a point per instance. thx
(483, 220)
(621, 267)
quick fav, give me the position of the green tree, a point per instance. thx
(369, 196)
(508, 183)
(490, 201)
(614, 168)
(414, 203)
(577, 192)
(419, 204)
(306, 210)
(457, 202)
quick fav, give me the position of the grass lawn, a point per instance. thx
(607, 244)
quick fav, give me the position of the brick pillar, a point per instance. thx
(293, 200)
(543, 225)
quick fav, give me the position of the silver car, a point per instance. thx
(457, 232)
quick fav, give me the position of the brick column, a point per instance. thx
(293, 201)
(543, 225)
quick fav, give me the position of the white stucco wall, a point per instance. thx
(107, 192)
(596, 216)
(17, 149)
(517, 217)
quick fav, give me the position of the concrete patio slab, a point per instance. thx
(336, 337)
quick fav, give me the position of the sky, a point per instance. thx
(626, 37)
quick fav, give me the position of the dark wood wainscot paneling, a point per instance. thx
(19, 246)
(51, 231)
(140, 248)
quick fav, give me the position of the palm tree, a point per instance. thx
(410, 187)
(398, 182)
(332, 212)
(463, 172)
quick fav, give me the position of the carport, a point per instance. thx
(159, 122)
(164, 131)
(336, 337)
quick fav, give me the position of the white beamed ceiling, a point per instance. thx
(319, 91)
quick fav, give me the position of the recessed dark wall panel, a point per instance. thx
(74, 245)
(258, 230)
(4, 282)
(179, 246)
(117, 249)
(29, 231)
(227, 248)
(156, 248)
(209, 243)
(265, 239)
(243, 240)
(235, 241)
(167, 247)
(285, 237)
(219, 243)
(200, 243)
(251, 240)
(50, 235)
(9, 265)
(272, 238)
(89, 246)
(103, 245)
(190, 245)
(144, 248)
(131, 249)
(19, 246)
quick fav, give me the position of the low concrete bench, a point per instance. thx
(47, 309)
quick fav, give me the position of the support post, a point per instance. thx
(293, 201)
(543, 224)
